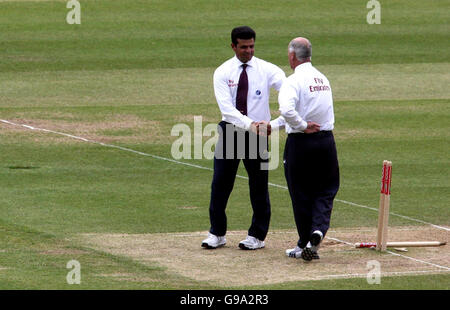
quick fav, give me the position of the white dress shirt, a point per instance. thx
(306, 97)
(262, 76)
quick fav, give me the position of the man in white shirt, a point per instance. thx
(310, 156)
(242, 87)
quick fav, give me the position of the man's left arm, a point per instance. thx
(276, 80)
(287, 99)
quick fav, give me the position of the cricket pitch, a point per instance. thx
(229, 266)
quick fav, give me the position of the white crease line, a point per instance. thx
(205, 168)
(419, 260)
(104, 144)
(396, 254)
(340, 241)
(384, 274)
(376, 210)
(393, 213)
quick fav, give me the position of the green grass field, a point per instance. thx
(134, 69)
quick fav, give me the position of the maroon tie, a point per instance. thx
(241, 96)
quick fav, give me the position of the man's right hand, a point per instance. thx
(254, 127)
(312, 128)
(264, 128)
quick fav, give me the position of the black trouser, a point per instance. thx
(312, 174)
(225, 169)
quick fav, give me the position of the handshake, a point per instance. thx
(262, 128)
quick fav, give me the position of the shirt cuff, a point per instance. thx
(277, 123)
(274, 124)
(303, 125)
(247, 122)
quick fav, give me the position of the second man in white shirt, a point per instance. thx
(310, 157)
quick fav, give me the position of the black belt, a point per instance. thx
(322, 133)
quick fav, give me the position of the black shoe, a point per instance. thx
(307, 254)
(310, 251)
(316, 238)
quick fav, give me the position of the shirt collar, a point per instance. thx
(249, 63)
(302, 66)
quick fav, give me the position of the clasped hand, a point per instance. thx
(262, 128)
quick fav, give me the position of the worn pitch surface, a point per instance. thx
(182, 254)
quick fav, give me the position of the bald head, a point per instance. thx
(301, 47)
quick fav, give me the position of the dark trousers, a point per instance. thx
(225, 169)
(312, 174)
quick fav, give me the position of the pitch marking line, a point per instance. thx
(395, 254)
(384, 274)
(201, 167)
(419, 260)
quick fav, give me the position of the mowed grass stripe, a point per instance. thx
(420, 176)
(188, 86)
(173, 34)
(201, 167)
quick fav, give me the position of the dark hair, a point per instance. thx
(243, 32)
